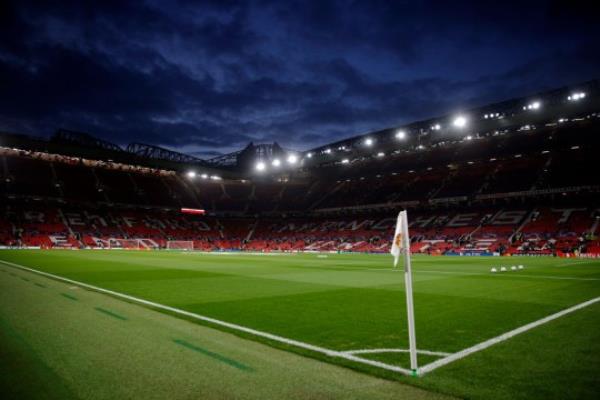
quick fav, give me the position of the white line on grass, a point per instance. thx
(592, 261)
(275, 338)
(509, 274)
(512, 274)
(376, 351)
(484, 345)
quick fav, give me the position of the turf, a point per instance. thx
(350, 302)
(54, 348)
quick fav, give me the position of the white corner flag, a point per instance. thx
(401, 245)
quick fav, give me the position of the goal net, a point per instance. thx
(180, 245)
(133, 244)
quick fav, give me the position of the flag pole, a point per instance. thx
(412, 338)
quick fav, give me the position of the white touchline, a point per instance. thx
(376, 351)
(507, 275)
(275, 338)
(484, 345)
(590, 261)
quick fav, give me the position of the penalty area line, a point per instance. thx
(505, 336)
(235, 327)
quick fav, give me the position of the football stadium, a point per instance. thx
(292, 250)
(451, 256)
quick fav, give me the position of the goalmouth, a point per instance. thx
(130, 244)
(180, 245)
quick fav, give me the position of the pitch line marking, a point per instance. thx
(376, 351)
(328, 352)
(591, 261)
(240, 328)
(505, 336)
(516, 274)
(508, 274)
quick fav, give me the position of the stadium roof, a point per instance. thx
(541, 108)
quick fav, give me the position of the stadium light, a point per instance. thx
(309, 155)
(368, 142)
(204, 176)
(215, 177)
(345, 161)
(460, 121)
(576, 96)
(436, 127)
(292, 159)
(276, 162)
(533, 106)
(400, 135)
(327, 151)
(380, 154)
(260, 166)
(191, 174)
(469, 137)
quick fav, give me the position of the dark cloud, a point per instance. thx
(208, 77)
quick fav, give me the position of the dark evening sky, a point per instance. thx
(208, 77)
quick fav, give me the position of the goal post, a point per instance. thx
(180, 245)
(126, 244)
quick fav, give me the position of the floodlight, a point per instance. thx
(309, 155)
(576, 96)
(292, 159)
(436, 127)
(368, 142)
(469, 137)
(276, 162)
(191, 174)
(380, 154)
(260, 166)
(204, 176)
(400, 135)
(327, 151)
(345, 161)
(460, 121)
(215, 178)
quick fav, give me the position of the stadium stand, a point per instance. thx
(526, 188)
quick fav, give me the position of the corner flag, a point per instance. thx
(401, 245)
(399, 236)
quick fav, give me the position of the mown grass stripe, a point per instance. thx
(39, 284)
(25, 279)
(216, 356)
(110, 313)
(69, 296)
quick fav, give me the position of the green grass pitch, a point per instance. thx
(350, 302)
